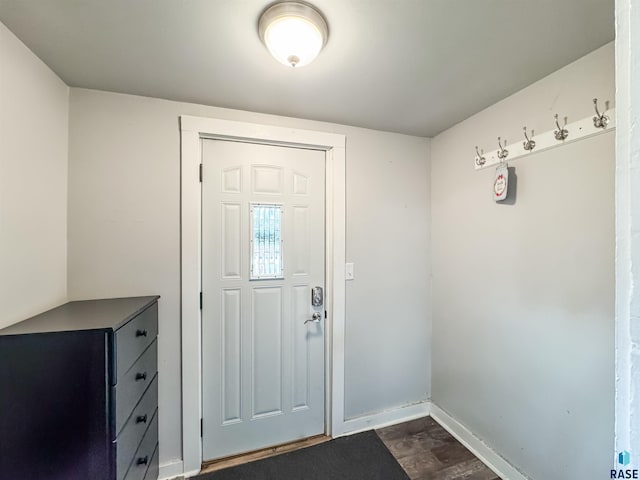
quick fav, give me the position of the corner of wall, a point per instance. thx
(33, 184)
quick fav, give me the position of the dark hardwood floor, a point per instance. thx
(427, 451)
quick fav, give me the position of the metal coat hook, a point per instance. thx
(503, 152)
(529, 144)
(561, 133)
(480, 160)
(600, 120)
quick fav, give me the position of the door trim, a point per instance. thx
(192, 131)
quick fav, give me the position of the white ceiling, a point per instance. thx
(410, 66)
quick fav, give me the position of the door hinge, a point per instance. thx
(200, 173)
(201, 428)
(325, 314)
(200, 300)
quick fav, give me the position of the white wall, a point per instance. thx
(523, 316)
(33, 183)
(388, 304)
(124, 239)
(628, 229)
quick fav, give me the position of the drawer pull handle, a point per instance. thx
(141, 419)
(141, 333)
(143, 460)
(141, 376)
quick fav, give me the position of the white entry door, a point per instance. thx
(262, 255)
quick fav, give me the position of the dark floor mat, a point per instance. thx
(357, 457)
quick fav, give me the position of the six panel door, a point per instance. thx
(262, 254)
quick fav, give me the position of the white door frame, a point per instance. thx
(193, 130)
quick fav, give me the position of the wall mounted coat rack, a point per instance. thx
(562, 134)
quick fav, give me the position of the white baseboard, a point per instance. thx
(171, 469)
(485, 454)
(384, 419)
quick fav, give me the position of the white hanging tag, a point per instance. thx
(501, 183)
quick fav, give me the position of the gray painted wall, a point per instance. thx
(523, 316)
(124, 233)
(33, 183)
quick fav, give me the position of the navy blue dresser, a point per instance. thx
(79, 392)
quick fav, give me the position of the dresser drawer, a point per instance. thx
(133, 431)
(154, 466)
(144, 455)
(134, 338)
(133, 384)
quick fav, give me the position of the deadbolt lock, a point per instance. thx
(317, 297)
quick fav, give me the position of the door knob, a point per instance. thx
(315, 318)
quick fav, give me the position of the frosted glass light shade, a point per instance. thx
(293, 32)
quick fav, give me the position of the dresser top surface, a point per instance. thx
(103, 314)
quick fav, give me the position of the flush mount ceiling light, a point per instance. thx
(293, 32)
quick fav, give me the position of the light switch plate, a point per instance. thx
(348, 271)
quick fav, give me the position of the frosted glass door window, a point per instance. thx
(266, 241)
